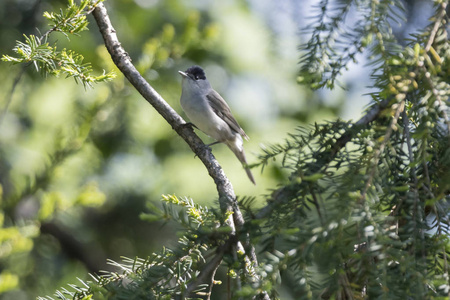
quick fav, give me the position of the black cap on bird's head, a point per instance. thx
(196, 73)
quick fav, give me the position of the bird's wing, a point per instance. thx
(221, 108)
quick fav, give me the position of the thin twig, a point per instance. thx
(316, 204)
(416, 211)
(437, 23)
(22, 71)
(208, 271)
(11, 93)
(380, 150)
(56, 27)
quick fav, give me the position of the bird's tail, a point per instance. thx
(237, 147)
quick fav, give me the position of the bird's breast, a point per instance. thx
(201, 114)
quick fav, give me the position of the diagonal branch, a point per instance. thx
(437, 24)
(370, 116)
(209, 270)
(227, 197)
(123, 62)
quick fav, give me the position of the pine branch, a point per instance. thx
(76, 14)
(280, 194)
(47, 59)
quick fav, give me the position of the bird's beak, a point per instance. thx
(182, 73)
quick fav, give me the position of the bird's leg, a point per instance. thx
(190, 124)
(208, 145)
(216, 142)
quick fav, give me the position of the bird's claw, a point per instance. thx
(208, 146)
(190, 125)
(216, 142)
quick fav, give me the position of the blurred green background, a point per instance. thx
(78, 167)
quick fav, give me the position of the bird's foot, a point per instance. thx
(207, 146)
(216, 142)
(190, 125)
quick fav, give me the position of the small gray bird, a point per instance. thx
(211, 114)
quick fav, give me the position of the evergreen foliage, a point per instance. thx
(364, 213)
(47, 59)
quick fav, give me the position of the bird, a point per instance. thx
(209, 112)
